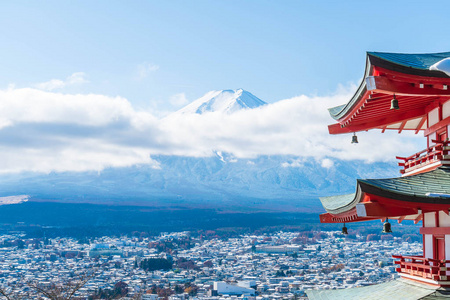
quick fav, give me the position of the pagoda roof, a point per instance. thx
(413, 62)
(409, 77)
(429, 190)
(419, 186)
(395, 289)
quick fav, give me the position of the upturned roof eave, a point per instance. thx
(379, 59)
(349, 201)
(338, 112)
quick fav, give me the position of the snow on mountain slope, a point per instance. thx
(226, 101)
(218, 181)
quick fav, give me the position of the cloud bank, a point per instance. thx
(45, 131)
(55, 84)
(296, 126)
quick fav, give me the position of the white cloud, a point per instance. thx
(296, 126)
(80, 155)
(144, 69)
(296, 163)
(54, 84)
(178, 100)
(32, 105)
(47, 131)
(77, 78)
(327, 163)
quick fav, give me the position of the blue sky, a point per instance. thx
(87, 82)
(275, 49)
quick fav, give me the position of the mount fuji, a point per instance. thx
(277, 182)
(225, 101)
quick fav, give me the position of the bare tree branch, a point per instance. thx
(65, 290)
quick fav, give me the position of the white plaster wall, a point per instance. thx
(428, 246)
(444, 219)
(431, 137)
(446, 110)
(429, 219)
(433, 117)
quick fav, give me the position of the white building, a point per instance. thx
(223, 288)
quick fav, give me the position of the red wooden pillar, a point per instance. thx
(439, 248)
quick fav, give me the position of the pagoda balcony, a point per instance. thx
(426, 270)
(432, 157)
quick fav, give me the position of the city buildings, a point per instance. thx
(335, 263)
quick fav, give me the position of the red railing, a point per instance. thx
(421, 268)
(432, 154)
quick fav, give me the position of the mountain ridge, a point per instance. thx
(220, 181)
(225, 101)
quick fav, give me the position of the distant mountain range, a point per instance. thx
(222, 181)
(277, 183)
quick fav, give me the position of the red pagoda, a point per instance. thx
(402, 92)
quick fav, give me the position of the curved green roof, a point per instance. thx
(431, 187)
(395, 289)
(433, 182)
(419, 61)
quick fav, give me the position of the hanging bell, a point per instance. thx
(394, 103)
(387, 227)
(344, 230)
(354, 138)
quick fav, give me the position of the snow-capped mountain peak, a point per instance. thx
(227, 101)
